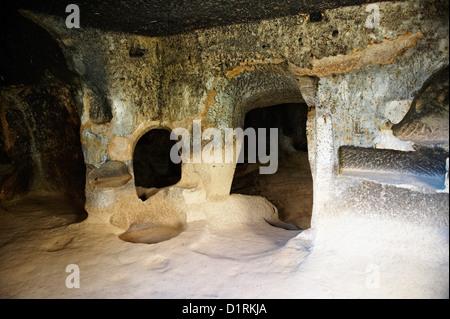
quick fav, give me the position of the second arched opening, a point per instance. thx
(290, 188)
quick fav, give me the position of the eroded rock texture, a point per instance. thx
(40, 130)
(427, 120)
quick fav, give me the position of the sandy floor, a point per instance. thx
(38, 241)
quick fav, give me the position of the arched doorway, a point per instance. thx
(153, 168)
(290, 188)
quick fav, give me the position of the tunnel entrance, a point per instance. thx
(152, 165)
(42, 169)
(290, 188)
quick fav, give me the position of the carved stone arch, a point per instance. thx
(266, 85)
(270, 97)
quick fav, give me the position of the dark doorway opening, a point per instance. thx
(152, 165)
(290, 188)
